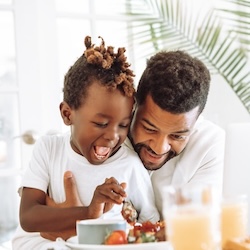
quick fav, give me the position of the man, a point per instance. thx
(173, 141)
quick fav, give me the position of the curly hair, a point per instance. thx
(97, 64)
(176, 82)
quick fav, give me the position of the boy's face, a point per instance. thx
(101, 124)
(157, 135)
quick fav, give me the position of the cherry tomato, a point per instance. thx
(116, 237)
(148, 226)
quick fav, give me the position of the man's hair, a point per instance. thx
(100, 64)
(176, 82)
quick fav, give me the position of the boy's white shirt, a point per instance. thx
(201, 162)
(53, 156)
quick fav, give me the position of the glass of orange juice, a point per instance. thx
(192, 216)
(234, 217)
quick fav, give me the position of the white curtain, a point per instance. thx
(9, 206)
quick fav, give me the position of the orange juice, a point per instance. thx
(234, 219)
(192, 215)
(193, 229)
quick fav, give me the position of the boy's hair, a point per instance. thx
(176, 82)
(97, 64)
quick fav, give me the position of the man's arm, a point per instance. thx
(72, 200)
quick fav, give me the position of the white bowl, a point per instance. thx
(94, 231)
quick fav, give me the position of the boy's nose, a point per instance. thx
(111, 135)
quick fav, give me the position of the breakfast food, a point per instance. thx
(116, 237)
(147, 232)
(237, 244)
(139, 233)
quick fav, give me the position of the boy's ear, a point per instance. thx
(66, 113)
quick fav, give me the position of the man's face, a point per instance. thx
(157, 135)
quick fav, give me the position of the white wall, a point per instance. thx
(223, 106)
(37, 69)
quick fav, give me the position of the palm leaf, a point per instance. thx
(237, 18)
(171, 25)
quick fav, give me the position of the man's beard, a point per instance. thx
(137, 147)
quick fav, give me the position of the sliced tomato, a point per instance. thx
(116, 237)
(148, 226)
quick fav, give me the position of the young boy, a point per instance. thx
(97, 105)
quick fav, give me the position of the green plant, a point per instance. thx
(220, 36)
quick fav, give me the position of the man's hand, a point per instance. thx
(72, 199)
(54, 235)
(71, 193)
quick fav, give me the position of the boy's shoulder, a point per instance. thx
(53, 140)
(128, 148)
(127, 143)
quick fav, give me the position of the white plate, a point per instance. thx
(162, 245)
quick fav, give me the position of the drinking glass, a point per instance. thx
(234, 217)
(192, 216)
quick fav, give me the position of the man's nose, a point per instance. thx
(160, 145)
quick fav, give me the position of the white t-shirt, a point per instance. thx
(53, 155)
(201, 162)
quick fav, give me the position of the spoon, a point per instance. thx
(129, 213)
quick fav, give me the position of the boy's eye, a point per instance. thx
(102, 125)
(124, 125)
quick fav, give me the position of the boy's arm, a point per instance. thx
(36, 216)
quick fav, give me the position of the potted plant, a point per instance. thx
(219, 35)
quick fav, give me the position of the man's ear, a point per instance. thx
(66, 113)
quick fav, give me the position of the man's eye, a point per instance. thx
(179, 137)
(149, 129)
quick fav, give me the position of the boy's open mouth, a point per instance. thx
(101, 152)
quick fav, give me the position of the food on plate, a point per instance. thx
(116, 237)
(237, 244)
(138, 233)
(160, 235)
(147, 232)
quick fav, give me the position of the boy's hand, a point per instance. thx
(123, 185)
(105, 196)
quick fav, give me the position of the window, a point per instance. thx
(9, 114)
